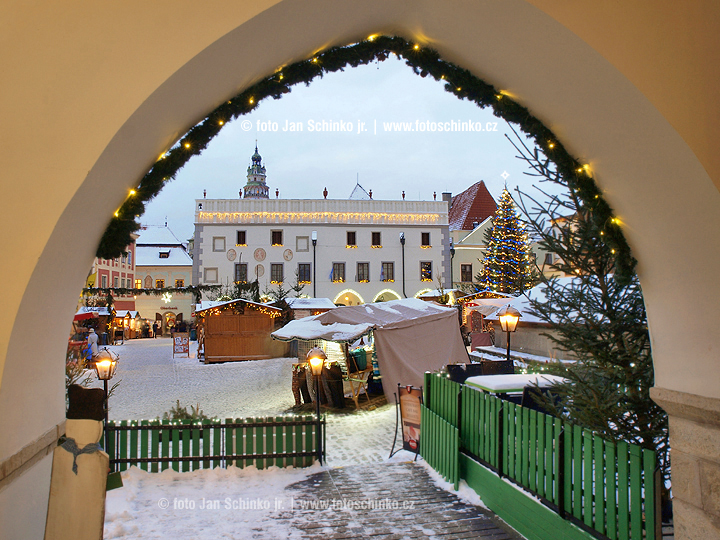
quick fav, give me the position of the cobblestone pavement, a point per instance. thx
(386, 501)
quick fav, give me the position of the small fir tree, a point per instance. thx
(508, 265)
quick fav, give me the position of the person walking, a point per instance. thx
(155, 329)
(92, 342)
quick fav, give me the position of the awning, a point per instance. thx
(84, 316)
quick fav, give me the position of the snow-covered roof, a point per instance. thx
(348, 323)
(310, 303)
(210, 304)
(437, 292)
(475, 204)
(522, 303)
(156, 235)
(151, 256)
(101, 311)
(121, 313)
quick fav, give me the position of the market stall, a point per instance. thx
(410, 336)
(237, 330)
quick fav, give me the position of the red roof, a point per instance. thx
(475, 204)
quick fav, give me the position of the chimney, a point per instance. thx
(447, 197)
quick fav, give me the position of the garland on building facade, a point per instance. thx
(110, 292)
(424, 61)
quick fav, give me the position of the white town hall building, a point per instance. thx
(352, 251)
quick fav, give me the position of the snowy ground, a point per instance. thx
(151, 381)
(157, 505)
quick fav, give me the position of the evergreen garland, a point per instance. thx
(424, 61)
(109, 292)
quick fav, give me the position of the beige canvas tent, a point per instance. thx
(411, 336)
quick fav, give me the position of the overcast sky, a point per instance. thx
(301, 164)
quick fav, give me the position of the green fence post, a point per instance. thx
(623, 503)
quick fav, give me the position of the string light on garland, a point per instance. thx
(424, 61)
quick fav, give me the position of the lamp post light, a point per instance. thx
(316, 358)
(509, 317)
(105, 363)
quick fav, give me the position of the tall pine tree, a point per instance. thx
(597, 319)
(508, 265)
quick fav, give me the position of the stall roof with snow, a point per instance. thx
(411, 336)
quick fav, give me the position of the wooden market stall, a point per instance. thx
(237, 330)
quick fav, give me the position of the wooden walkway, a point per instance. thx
(388, 501)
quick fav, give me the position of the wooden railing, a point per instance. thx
(610, 489)
(155, 445)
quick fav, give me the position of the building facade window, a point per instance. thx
(387, 271)
(159, 283)
(376, 240)
(179, 283)
(241, 238)
(351, 239)
(211, 275)
(276, 273)
(218, 243)
(426, 271)
(363, 272)
(425, 239)
(138, 283)
(241, 272)
(115, 282)
(466, 272)
(164, 254)
(276, 238)
(103, 281)
(338, 272)
(548, 258)
(304, 273)
(302, 243)
(129, 258)
(122, 282)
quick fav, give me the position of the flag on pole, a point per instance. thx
(331, 273)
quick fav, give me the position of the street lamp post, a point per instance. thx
(509, 317)
(314, 242)
(316, 358)
(105, 363)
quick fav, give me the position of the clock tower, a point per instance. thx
(256, 187)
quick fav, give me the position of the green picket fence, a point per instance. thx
(609, 488)
(186, 445)
(440, 446)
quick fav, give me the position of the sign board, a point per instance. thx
(410, 411)
(181, 343)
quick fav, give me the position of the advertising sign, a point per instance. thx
(410, 401)
(181, 343)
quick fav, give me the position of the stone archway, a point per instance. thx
(610, 96)
(348, 297)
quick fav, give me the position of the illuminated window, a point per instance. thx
(241, 238)
(218, 243)
(159, 283)
(138, 283)
(426, 271)
(241, 272)
(276, 273)
(425, 239)
(276, 238)
(376, 240)
(304, 273)
(351, 241)
(363, 272)
(466, 272)
(387, 271)
(338, 272)
(179, 283)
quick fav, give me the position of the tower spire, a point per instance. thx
(256, 188)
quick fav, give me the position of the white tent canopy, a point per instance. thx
(411, 336)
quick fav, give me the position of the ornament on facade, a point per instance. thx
(325, 193)
(403, 195)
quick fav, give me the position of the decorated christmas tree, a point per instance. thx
(508, 265)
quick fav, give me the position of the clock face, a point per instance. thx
(231, 254)
(288, 254)
(259, 254)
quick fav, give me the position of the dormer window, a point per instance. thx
(165, 254)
